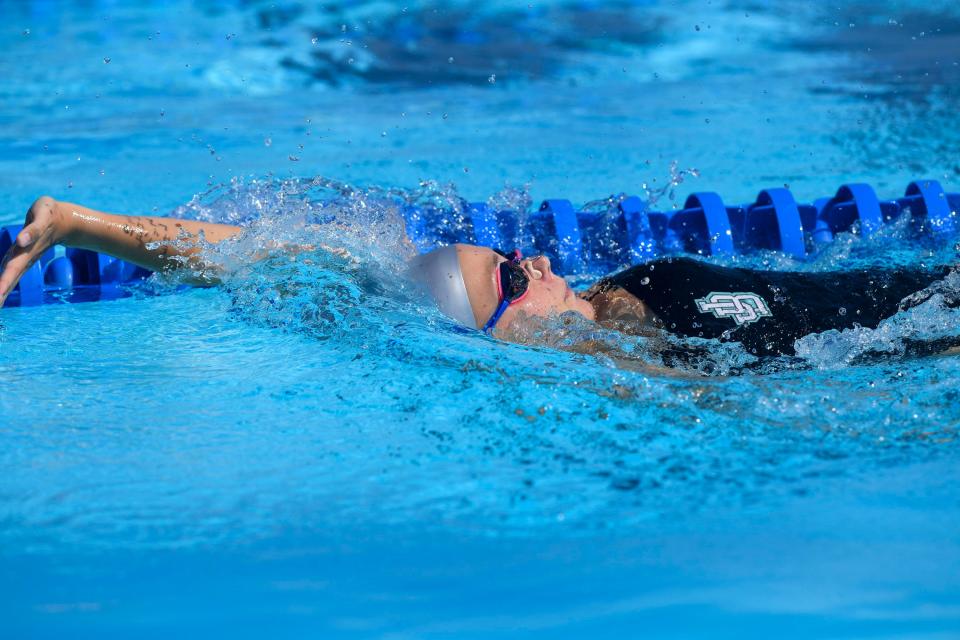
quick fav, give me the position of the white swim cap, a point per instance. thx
(440, 271)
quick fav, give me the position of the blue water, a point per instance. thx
(311, 450)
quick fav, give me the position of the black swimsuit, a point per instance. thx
(767, 310)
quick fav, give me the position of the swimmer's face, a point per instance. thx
(547, 293)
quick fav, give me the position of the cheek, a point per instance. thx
(544, 299)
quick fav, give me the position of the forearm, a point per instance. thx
(156, 243)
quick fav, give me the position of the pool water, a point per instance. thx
(312, 450)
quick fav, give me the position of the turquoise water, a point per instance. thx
(311, 450)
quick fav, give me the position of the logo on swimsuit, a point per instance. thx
(744, 308)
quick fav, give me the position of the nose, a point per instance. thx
(539, 266)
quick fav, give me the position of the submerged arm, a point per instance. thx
(173, 242)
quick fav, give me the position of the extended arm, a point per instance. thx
(49, 222)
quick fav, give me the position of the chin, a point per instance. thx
(586, 309)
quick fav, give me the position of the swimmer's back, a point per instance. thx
(767, 310)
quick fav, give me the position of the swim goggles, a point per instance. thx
(512, 285)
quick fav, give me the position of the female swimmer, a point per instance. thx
(486, 289)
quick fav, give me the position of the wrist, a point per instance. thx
(62, 222)
(70, 223)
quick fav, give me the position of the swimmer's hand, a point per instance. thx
(44, 226)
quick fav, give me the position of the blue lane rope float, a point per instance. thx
(577, 241)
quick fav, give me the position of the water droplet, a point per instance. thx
(26, 32)
(644, 280)
(383, 134)
(842, 311)
(697, 27)
(293, 158)
(450, 60)
(314, 40)
(106, 61)
(492, 79)
(343, 28)
(162, 113)
(349, 60)
(267, 142)
(707, 120)
(466, 169)
(444, 116)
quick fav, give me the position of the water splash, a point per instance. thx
(648, 350)
(327, 259)
(929, 323)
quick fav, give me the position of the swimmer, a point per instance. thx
(494, 292)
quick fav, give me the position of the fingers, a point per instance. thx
(26, 237)
(15, 263)
(31, 232)
(28, 246)
(38, 221)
